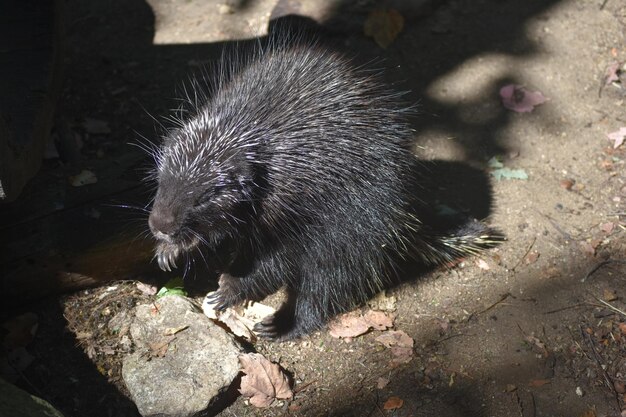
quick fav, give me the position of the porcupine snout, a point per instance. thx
(165, 228)
(162, 223)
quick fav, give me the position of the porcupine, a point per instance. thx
(299, 166)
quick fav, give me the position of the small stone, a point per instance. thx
(567, 183)
(178, 374)
(579, 391)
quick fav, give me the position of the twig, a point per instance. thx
(607, 378)
(600, 265)
(525, 254)
(300, 388)
(554, 224)
(566, 308)
(617, 310)
(502, 298)
(603, 4)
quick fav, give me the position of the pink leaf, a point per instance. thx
(517, 98)
(618, 136)
(612, 72)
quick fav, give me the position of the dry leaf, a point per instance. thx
(612, 72)
(588, 413)
(238, 324)
(607, 227)
(609, 295)
(538, 382)
(384, 26)
(395, 338)
(257, 311)
(482, 264)
(517, 98)
(159, 349)
(348, 325)
(617, 137)
(379, 320)
(147, 289)
(622, 327)
(382, 382)
(567, 183)
(393, 403)
(263, 381)
(354, 324)
(401, 355)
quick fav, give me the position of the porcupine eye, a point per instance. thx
(211, 196)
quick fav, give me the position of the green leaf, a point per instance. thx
(494, 162)
(509, 174)
(174, 286)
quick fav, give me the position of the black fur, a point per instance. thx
(299, 166)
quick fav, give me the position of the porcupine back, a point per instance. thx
(334, 203)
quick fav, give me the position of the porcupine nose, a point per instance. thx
(162, 222)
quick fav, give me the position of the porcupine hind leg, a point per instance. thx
(322, 291)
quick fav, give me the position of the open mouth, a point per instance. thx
(167, 253)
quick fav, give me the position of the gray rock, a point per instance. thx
(15, 402)
(182, 360)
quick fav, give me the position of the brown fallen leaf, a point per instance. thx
(393, 403)
(538, 382)
(384, 26)
(609, 295)
(567, 183)
(607, 227)
(159, 348)
(382, 382)
(263, 381)
(354, 324)
(588, 413)
(348, 325)
(395, 338)
(401, 355)
(379, 320)
(622, 327)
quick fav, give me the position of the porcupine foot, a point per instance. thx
(296, 317)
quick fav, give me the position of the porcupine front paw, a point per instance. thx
(227, 295)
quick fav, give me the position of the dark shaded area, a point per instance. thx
(114, 72)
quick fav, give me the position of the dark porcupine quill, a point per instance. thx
(300, 166)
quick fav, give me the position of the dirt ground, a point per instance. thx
(535, 327)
